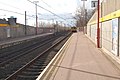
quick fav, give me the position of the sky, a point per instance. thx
(17, 8)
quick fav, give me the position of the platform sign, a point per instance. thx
(94, 3)
(115, 36)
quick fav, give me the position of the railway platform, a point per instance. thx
(13, 41)
(82, 60)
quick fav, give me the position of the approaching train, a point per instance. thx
(74, 29)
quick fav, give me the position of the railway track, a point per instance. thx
(12, 55)
(18, 64)
(5, 52)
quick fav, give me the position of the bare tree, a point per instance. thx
(83, 16)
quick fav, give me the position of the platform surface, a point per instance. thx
(12, 40)
(84, 61)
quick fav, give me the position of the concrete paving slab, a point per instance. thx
(83, 61)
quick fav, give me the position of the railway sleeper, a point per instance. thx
(34, 70)
(36, 67)
(41, 62)
(31, 73)
(42, 65)
(22, 77)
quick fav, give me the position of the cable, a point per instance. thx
(17, 13)
(47, 4)
(10, 5)
(14, 11)
(11, 11)
(30, 15)
(47, 10)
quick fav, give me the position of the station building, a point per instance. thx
(109, 27)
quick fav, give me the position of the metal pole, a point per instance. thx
(36, 21)
(85, 21)
(57, 26)
(83, 16)
(64, 26)
(98, 29)
(25, 24)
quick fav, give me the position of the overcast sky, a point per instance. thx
(66, 7)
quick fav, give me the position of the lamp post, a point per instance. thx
(84, 15)
(36, 16)
(98, 28)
